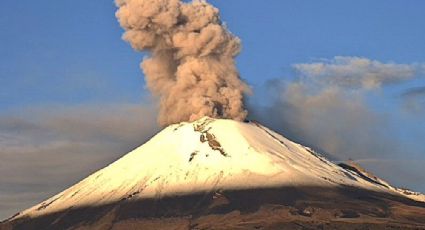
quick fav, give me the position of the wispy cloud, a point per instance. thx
(414, 92)
(414, 100)
(357, 72)
(46, 149)
(332, 120)
(325, 106)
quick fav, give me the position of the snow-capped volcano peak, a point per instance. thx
(207, 155)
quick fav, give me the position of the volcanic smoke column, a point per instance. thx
(191, 65)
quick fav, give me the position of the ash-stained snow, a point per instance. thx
(209, 155)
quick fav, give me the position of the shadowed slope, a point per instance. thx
(272, 208)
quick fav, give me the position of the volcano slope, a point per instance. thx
(224, 174)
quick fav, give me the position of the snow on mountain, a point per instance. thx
(209, 155)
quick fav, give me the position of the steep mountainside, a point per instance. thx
(189, 169)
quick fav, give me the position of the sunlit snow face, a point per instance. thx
(204, 156)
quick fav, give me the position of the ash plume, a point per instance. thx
(191, 67)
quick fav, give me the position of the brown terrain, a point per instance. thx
(273, 208)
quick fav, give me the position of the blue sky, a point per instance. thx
(53, 51)
(57, 55)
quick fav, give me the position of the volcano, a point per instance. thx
(225, 174)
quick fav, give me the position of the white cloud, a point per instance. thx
(357, 72)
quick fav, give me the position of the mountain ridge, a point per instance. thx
(205, 157)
